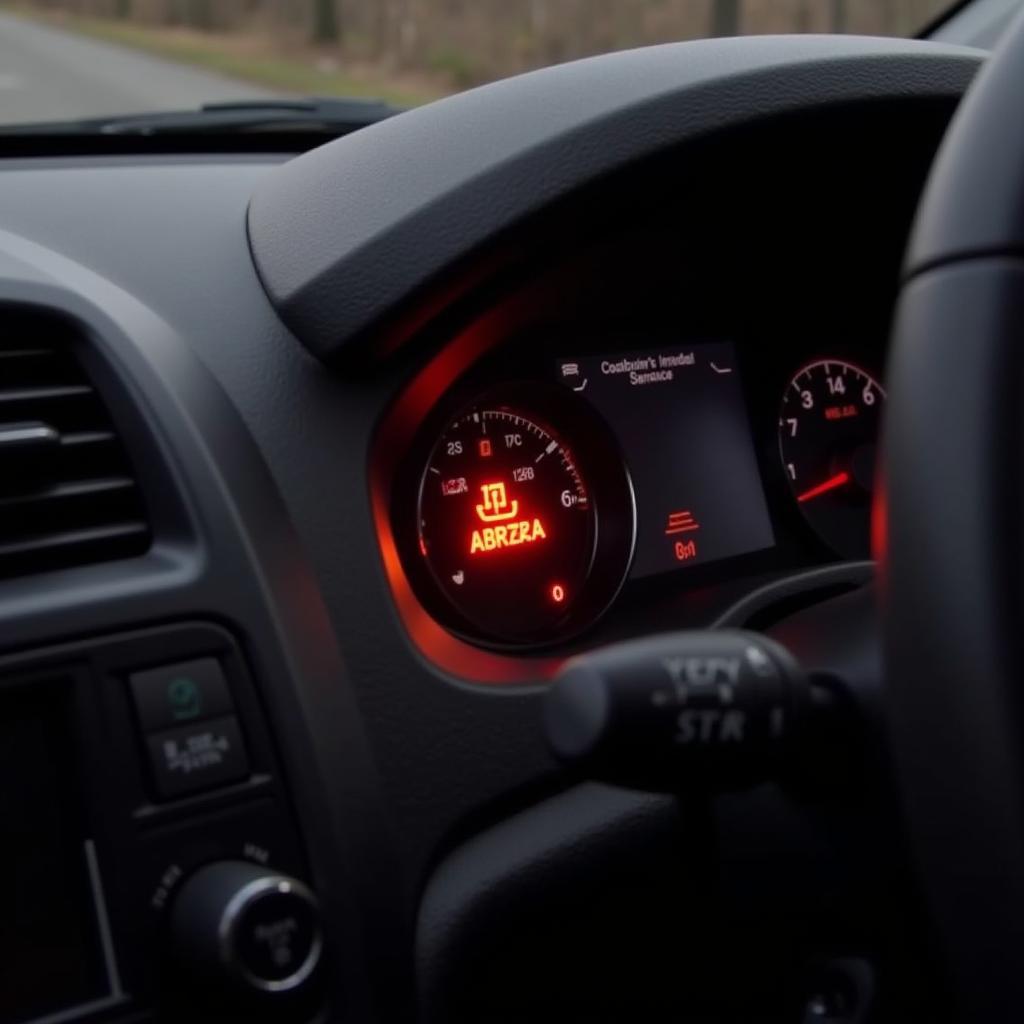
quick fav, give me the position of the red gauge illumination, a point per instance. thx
(507, 524)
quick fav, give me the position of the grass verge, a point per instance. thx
(249, 57)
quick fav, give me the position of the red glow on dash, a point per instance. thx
(557, 593)
(394, 436)
(423, 547)
(880, 526)
(839, 480)
(485, 448)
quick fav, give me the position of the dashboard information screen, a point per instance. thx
(680, 418)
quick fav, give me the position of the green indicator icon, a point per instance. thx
(184, 698)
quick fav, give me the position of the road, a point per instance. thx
(47, 74)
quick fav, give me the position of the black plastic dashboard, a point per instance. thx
(760, 233)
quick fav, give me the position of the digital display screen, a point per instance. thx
(680, 418)
(51, 955)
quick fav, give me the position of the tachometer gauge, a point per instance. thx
(525, 530)
(828, 431)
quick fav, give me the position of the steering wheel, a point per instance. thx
(949, 530)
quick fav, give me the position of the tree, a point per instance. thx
(838, 19)
(199, 14)
(725, 17)
(325, 22)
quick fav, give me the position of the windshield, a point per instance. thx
(73, 59)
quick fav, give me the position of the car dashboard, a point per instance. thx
(294, 616)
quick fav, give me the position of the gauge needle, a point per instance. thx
(823, 488)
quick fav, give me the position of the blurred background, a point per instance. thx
(410, 51)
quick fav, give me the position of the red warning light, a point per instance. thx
(557, 593)
(485, 448)
(681, 522)
(496, 505)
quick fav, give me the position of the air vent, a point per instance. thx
(67, 492)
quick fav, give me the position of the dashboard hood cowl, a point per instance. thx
(349, 234)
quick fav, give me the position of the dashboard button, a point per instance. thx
(197, 757)
(277, 934)
(174, 695)
(242, 926)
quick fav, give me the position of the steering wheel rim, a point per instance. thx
(949, 540)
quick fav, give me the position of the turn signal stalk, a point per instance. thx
(702, 710)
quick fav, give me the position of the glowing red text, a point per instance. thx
(508, 535)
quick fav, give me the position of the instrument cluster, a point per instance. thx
(536, 491)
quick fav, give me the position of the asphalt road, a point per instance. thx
(47, 74)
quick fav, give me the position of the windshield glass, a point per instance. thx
(72, 59)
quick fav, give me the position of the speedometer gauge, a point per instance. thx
(523, 527)
(828, 431)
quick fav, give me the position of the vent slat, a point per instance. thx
(12, 395)
(26, 353)
(84, 437)
(73, 538)
(78, 489)
(76, 501)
